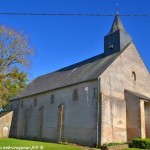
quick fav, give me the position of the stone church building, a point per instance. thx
(102, 99)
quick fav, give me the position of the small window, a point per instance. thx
(133, 76)
(35, 102)
(111, 46)
(95, 92)
(21, 104)
(52, 99)
(75, 95)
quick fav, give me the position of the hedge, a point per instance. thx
(141, 143)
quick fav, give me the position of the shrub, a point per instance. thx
(141, 143)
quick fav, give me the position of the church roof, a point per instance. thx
(141, 96)
(117, 24)
(89, 69)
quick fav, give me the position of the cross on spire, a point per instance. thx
(117, 8)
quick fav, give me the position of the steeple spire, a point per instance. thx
(117, 24)
(117, 39)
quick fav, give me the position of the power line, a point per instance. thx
(71, 14)
(53, 14)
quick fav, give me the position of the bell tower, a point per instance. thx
(117, 39)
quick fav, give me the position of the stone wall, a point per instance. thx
(5, 125)
(114, 81)
(118, 76)
(113, 118)
(39, 115)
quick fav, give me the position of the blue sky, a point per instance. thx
(60, 41)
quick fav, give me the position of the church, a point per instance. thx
(99, 100)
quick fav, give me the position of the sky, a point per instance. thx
(60, 41)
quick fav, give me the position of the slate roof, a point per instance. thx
(89, 69)
(117, 24)
(141, 96)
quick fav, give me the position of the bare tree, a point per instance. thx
(15, 51)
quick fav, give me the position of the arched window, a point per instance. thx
(52, 99)
(133, 76)
(35, 102)
(75, 95)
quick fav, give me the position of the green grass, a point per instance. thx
(34, 145)
(131, 149)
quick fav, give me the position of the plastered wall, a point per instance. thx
(39, 120)
(114, 81)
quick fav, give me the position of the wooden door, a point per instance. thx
(60, 122)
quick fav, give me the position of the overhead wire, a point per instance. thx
(71, 14)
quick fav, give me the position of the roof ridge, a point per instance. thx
(137, 94)
(77, 63)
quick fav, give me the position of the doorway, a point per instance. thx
(5, 132)
(40, 122)
(147, 119)
(60, 122)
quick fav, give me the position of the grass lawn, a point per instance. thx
(131, 149)
(15, 144)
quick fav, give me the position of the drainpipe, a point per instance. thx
(98, 107)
